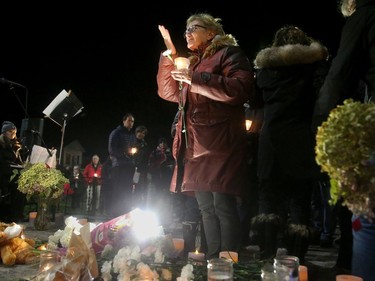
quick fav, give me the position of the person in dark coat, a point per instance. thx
(288, 74)
(210, 141)
(121, 144)
(354, 62)
(352, 75)
(12, 201)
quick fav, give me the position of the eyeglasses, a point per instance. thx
(193, 28)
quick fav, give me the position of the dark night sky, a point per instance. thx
(108, 54)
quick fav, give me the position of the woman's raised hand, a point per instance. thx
(167, 39)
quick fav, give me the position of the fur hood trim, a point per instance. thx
(288, 55)
(217, 43)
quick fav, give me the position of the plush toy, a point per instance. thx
(13, 248)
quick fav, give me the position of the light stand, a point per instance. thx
(62, 137)
(63, 108)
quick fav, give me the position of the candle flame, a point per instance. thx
(42, 247)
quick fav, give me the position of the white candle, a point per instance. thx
(181, 63)
(233, 256)
(196, 256)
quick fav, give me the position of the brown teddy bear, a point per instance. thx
(15, 250)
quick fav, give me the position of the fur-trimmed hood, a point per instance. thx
(288, 55)
(217, 43)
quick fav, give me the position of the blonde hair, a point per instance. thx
(208, 21)
(347, 7)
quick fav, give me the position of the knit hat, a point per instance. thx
(7, 125)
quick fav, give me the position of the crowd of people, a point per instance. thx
(263, 184)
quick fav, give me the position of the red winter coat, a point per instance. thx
(89, 173)
(222, 81)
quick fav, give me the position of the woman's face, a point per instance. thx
(197, 34)
(11, 134)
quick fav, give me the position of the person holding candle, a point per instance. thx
(209, 145)
(93, 177)
(77, 182)
(121, 143)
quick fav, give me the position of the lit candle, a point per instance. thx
(302, 273)
(32, 216)
(233, 256)
(133, 150)
(82, 221)
(178, 244)
(95, 175)
(345, 277)
(181, 63)
(248, 124)
(196, 256)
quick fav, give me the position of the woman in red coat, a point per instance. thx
(210, 141)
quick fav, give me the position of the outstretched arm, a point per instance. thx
(167, 39)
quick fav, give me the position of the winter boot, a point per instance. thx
(268, 231)
(298, 239)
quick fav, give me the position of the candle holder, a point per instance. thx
(32, 216)
(346, 277)
(220, 269)
(181, 63)
(48, 259)
(233, 256)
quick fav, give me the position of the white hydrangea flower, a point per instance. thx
(145, 272)
(166, 274)
(65, 238)
(187, 272)
(106, 271)
(159, 256)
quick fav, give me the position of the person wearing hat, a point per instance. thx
(11, 200)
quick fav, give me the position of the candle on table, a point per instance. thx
(196, 256)
(345, 277)
(179, 245)
(302, 273)
(82, 221)
(233, 256)
(32, 216)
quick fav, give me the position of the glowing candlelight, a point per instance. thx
(133, 150)
(181, 63)
(178, 244)
(42, 247)
(32, 216)
(233, 256)
(196, 256)
(302, 273)
(95, 175)
(248, 124)
(345, 277)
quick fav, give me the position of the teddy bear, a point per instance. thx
(13, 248)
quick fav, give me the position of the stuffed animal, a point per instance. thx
(15, 250)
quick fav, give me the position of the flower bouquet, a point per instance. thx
(345, 149)
(43, 183)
